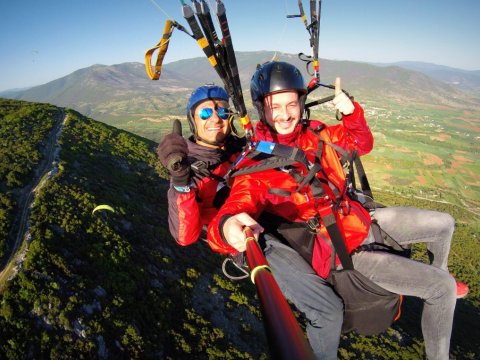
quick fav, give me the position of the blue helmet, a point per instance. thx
(200, 94)
(206, 92)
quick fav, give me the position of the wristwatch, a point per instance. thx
(182, 189)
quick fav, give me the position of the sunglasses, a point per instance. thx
(222, 113)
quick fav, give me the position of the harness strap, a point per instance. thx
(280, 192)
(346, 158)
(283, 151)
(280, 155)
(314, 169)
(264, 165)
(316, 188)
(328, 218)
(311, 174)
(162, 46)
(201, 167)
(352, 163)
(361, 175)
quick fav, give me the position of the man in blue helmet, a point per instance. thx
(197, 188)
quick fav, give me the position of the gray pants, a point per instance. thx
(311, 294)
(324, 309)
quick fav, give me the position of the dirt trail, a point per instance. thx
(20, 226)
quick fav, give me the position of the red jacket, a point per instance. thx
(251, 193)
(189, 212)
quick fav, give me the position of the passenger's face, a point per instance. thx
(282, 111)
(213, 128)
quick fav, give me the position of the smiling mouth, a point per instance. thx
(285, 122)
(215, 128)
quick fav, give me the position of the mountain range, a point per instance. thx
(463, 79)
(114, 93)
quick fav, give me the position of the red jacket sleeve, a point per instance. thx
(245, 196)
(353, 133)
(184, 218)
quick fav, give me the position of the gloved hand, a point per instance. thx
(172, 153)
(343, 104)
(341, 101)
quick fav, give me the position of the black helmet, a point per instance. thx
(273, 77)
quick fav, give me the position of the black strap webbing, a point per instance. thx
(362, 176)
(266, 164)
(337, 241)
(281, 155)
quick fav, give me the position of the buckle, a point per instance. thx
(344, 207)
(199, 166)
(314, 223)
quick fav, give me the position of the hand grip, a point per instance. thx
(174, 161)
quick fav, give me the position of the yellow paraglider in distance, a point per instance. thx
(103, 207)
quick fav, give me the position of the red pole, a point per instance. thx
(285, 336)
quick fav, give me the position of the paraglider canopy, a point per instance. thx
(103, 207)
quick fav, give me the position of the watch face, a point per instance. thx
(183, 189)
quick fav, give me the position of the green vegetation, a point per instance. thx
(115, 284)
(23, 130)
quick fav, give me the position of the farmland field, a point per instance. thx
(423, 151)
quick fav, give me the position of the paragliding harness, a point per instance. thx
(368, 308)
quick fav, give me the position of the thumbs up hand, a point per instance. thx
(172, 153)
(341, 101)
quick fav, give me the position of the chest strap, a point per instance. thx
(272, 156)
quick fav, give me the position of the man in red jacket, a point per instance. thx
(197, 188)
(278, 92)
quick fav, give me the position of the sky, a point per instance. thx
(43, 40)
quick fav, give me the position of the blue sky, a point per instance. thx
(43, 40)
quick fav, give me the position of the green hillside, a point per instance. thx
(24, 128)
(114, 285)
